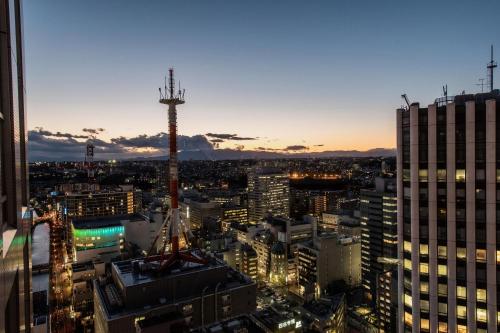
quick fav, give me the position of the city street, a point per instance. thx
(60, 280)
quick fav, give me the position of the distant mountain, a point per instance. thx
(231, 154)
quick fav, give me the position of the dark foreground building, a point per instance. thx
(448, 218)
(138, 296)
(15, 222)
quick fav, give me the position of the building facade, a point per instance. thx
(101, 203)
(15, 221)
(379, 250)
(448, 165)
(268, 193)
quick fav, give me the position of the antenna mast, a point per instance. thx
(491, 66)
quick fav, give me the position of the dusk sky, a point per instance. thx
(325, 75)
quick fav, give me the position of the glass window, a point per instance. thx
(441, 175)
(424, 268)
(460, 175)
(461, 253)
(408, 300)
(424, 324)
(498, 257)
(481, 295)
(461, 292)
(424, 305)
(424, 249)
(442, 327)
(481, 255)
(407, 264)
(461, 311)
(442, 270)
(422, 175)
(407, 246)
(442, 289)
(408, 319)
(442, 251)
(461, 329)
(498, 175)
(481, 315)
(424, 287)
(443, 309)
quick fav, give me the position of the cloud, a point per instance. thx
(295, 148)
(217, 140)
(93, 130)
(320, 145)
(226, 136)
(59, 134)
(48, 146)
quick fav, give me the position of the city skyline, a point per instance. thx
(251, 87)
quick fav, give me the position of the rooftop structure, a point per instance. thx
(202, 292)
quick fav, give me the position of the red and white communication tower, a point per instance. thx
(175, 226)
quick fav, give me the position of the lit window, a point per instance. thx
(481, 295)
(498, 257)
(424, 305)
(461, 292)
(424, 324)
(408, 319)
(481, 315)
(442, 252)
(407, 246)
(424, 249)
(424, 268)
(422, 175)
(442, 270)
(424, 287)
(443, 327)
(441, 175)
(442, 289)
(407, 264)
(461, 329)
(443, 309)
(460, 175)
(481, 255)
(461, 311)
(461, 253)
(408, 300)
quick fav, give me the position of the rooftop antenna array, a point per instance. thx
(491, 66)
(481, 84)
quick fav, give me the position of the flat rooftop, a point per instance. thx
(136, 285)
(104, 221)
(130, 277)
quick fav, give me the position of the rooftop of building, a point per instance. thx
(323, 308)
(130, 277)
(105, 221)
(272, 317)
(238, 324)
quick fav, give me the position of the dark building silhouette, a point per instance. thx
(15, 258)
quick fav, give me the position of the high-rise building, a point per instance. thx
(448, 168)
(268, 193)
(326, 259)
(15, 222)
(379, 250)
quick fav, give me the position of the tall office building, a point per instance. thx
(268, 193)
(379, 250)
(15, 239)
(449, 243)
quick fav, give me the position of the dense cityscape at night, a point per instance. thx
(126, 211)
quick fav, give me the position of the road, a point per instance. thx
(60, 280)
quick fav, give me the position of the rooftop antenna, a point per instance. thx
(445, 92)
(405, 97)
(491, 66)
(481, 83)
